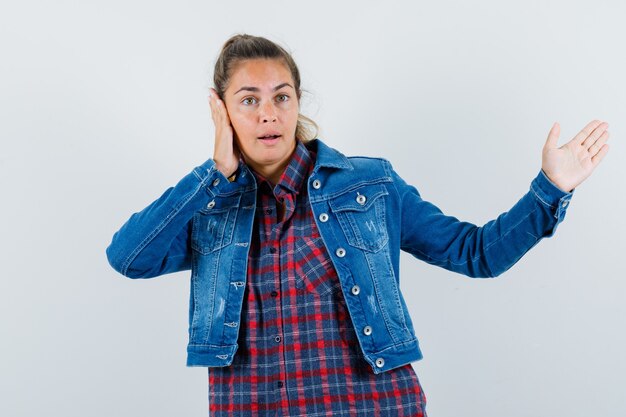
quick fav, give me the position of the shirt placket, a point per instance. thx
(279, 240)
(271, 240)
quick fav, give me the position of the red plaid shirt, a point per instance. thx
(298, 352)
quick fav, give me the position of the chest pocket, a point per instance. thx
(361, 213)
(213, 225)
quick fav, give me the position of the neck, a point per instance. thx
(272, 172)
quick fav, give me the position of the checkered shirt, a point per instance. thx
(298, 352)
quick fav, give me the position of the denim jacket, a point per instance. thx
(365, 214)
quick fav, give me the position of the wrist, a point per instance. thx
(233, 176)
(226, 172)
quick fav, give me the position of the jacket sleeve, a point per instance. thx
(486, 251)
(156, 240)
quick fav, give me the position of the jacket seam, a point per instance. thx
(541, 199)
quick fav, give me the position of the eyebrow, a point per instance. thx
(255, 89)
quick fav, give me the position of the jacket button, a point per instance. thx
(356, 290)
(317, 184)
(565, 203)
(380, 362)
(211, 204)
(361, 199)
(323, 217)
(216, 181)
(367, 330)
(341, 252)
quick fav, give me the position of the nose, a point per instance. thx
(267, 112)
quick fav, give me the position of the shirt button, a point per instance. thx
(380, 362)
(217, 181)
(277, 338)
(280, 384)
(272, 250)
(323, 217)
(274, 293)
(341, 252)
(317, 184)
(367, 330)
(268, 211)
(356, 290)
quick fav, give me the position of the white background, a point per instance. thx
(103, 105)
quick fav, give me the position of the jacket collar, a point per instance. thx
(327, 156)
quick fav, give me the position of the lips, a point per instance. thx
(269, 135)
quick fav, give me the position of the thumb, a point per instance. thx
(553, 136)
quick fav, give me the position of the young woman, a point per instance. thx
(295, 305)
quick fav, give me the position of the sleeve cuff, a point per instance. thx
(548, 194)
(216, 182)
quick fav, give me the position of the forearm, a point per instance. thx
(155, 240)
(485, 251)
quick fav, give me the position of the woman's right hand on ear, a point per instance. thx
(225, 153)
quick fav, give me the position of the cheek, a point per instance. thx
(292, 115)
(241, 123)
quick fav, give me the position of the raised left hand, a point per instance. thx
(569, 165)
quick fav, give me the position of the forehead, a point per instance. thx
(261, 73)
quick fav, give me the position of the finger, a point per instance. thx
(223, 111)
(595, 148)
(213, 109)
(586, 131)
(597, 132)
(600, 155)
(553, 136)
(219, 110)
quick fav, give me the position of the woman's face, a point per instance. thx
(263, 108)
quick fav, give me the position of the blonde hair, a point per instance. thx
(242, 47)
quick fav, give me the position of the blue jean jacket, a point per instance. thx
(365, 214)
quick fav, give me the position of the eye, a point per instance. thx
(248, 100)
(282, 97)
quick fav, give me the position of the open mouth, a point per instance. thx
(269, 137)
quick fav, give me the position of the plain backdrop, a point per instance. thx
(103, 106)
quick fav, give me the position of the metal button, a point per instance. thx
(317, 184)
(367, 330)
(216, 181)
(277, 338)
(323, 217)
(380, 362)
(341, 252)
(361, 199)
(356, 290)
(211, 204)
(565, 203)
